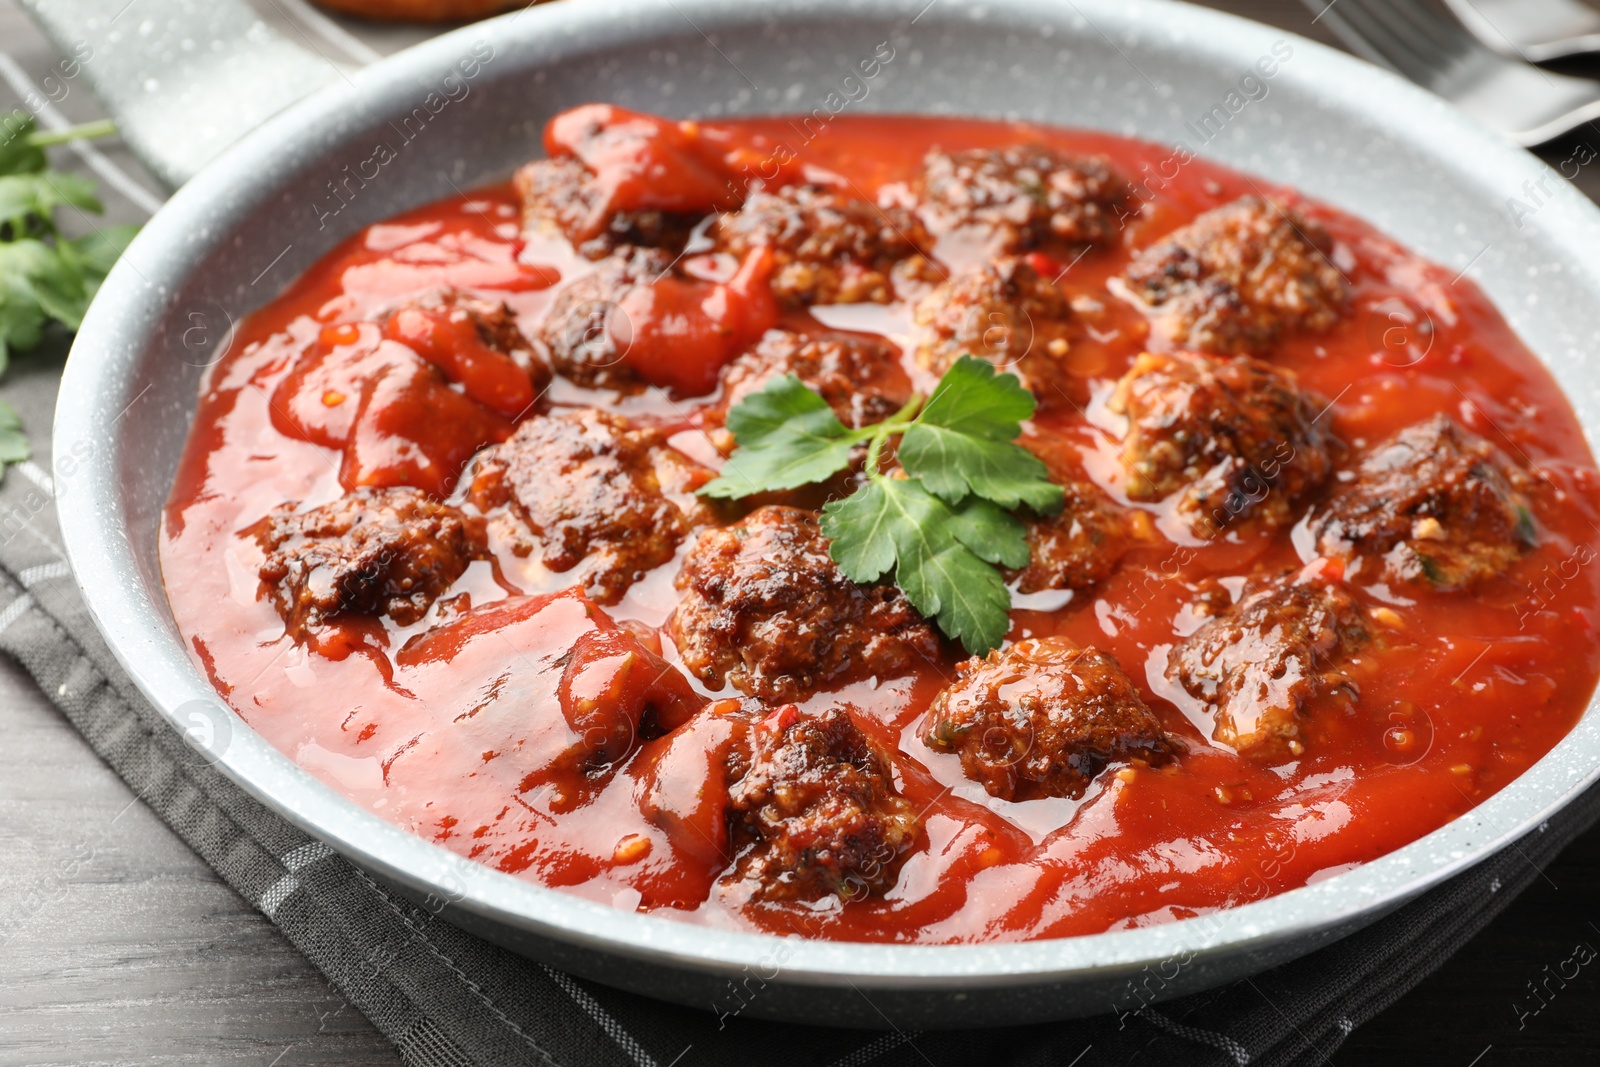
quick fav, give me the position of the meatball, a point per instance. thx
(1259, 666)
(857, 374)
(1239, 277)
(580, 329)
(1003, 311)
(585, 484)
(1042, 719)
(767, 611)
(1079, 546)
(817, 814)
(1432, 505)
(561, 199)
(1237, 438)
(387, 552)
(828, 247)
(1025, 195)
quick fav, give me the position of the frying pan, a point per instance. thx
(259, 214)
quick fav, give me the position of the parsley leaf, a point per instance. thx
(788, 436)
(942, 528)
(44, 276)
(19, 154)
(964, 441)
(13, 443)
(94, 254)
(941, 555)
(38, 195)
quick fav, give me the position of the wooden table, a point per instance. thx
(117, 945)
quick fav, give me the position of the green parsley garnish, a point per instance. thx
(942, 523)
(13, 442)
(44, 276)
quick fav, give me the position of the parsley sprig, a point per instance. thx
(45, 276)
(942, 523)
(13, 442)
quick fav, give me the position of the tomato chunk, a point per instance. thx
(571, 694)
(413, 429)
(615, 690)
(318, 399)
(684, 784)
(393, 414)
(678, 333)
(642, 162)
(451, 342)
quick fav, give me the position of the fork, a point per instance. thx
(1527, 104)
(1535, 30)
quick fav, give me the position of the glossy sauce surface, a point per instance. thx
(1465, 693)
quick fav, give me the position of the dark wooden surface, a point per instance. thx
(117, 945)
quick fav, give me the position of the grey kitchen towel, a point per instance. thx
(446, 997)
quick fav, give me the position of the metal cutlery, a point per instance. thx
(1534, 30)
(1527, 104)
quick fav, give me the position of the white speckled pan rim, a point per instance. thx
(100, 377)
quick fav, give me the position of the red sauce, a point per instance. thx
(1469, 692)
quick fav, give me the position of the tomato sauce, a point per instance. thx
(1466, 692)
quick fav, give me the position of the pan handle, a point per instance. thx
(183, 79)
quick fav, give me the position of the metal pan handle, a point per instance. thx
(183, 79)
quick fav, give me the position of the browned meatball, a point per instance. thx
(1042, 719)
(1237, 438)
(857, 374)
(1432, 505)
(1239, 277)
(828, 246)
(1079, 546)
(584, 484)
(1259, 665)
(817, 813)
(579, 328)
(560, 198)
(1025, 195)
(767, 611)
(1003, 311)
(373, 552)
